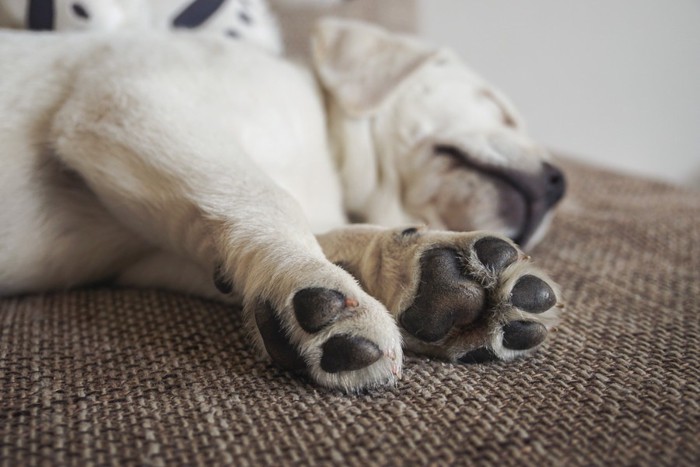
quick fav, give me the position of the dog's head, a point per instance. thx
(421, 138)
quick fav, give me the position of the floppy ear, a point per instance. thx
(362, 65)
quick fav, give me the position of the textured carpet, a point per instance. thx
(120, 377)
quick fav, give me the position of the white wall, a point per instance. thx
(616, 82)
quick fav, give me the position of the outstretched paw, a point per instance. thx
(343, 339)
(476, 297)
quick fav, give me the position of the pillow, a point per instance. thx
(247, 20)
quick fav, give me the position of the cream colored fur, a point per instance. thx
(155, 159)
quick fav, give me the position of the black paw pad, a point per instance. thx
(523, 335)
(495, 253)
(445, 298)
(533, 295)
(276, 341)
(480, 355)
(348, 353)
(316, 308)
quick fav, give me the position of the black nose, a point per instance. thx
(555, 183)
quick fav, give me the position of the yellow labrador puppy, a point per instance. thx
(205, 165)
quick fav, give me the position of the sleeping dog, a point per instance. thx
(207, 166)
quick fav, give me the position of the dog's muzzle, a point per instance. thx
(540, 191)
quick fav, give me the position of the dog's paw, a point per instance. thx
(343, 338)
(475, 297)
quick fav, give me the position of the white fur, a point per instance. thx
(157, 158)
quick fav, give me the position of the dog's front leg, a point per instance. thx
(193, 193)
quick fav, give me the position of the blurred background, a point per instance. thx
(615, 83)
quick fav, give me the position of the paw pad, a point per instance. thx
(523, 335)
(495, 253)
(348, 353)
(477, 300)
(480, 355)
(319, 309)
(533, 295)
(276, 341)
(316, 308)
(444, 299)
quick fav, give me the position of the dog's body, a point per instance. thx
(39, 181)
(168, 160)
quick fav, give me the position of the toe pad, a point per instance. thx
(533, 295)
(348, 353)
(316, 308)
(523, 335)
(276, 341)
(495, 253)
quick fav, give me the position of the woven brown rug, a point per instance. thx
(127, 377)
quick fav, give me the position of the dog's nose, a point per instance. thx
(555, 184)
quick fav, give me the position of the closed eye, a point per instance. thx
(454, 154)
